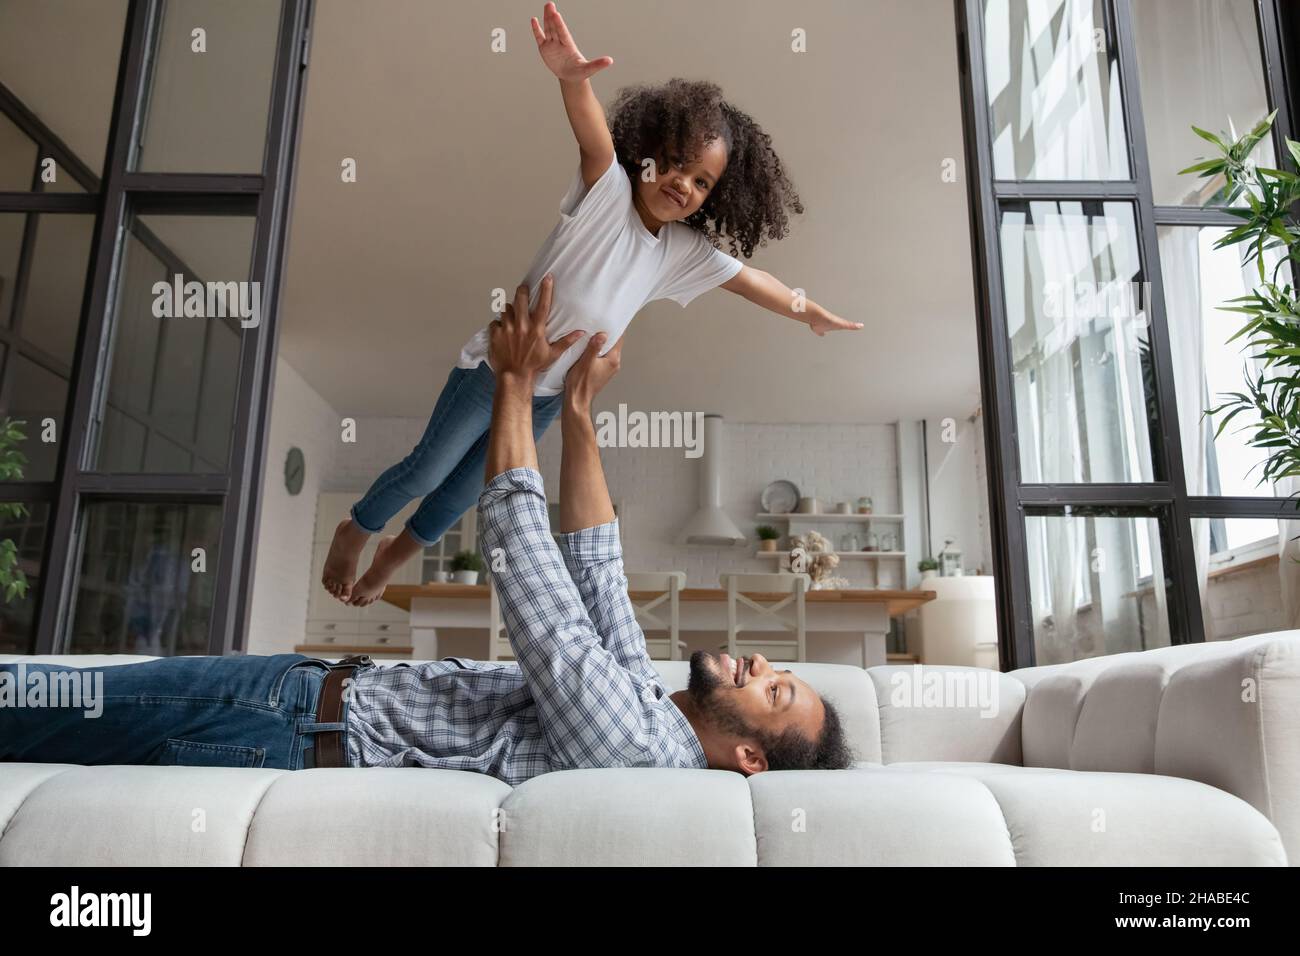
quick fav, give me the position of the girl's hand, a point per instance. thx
(560, 54)
(830, 322)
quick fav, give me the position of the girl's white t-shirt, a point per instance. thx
(607, 265)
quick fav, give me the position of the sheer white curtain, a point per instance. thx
(1044, 353)
(1064, 545)
(1085, 355)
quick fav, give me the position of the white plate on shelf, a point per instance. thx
(780, 498)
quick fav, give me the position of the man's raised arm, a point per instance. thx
(589, 535)
(591, 709)
(519, 352)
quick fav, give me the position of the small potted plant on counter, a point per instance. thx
(928, 567)
(465, 567)
(767, 536)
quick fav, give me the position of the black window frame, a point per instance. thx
(115, 200)
(1011, 500)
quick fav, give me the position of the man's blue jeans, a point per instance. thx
(246, 711)
(446, 466)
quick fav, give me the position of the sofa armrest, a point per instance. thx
(948, 713)
(1225, 713)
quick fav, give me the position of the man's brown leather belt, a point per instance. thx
(329, 710)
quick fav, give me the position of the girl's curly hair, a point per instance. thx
(749, 204)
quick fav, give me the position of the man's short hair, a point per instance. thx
(792, 750)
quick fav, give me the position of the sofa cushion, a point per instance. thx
(130, 816)
(379, 816)
(876, 817)
(630, 816)
(1073, 818)
(948, 712)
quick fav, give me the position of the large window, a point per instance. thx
(1078, 340)
(142, 202)
(1198, 63)
(1053, 92)
(1123, 522)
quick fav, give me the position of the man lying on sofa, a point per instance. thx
(584, 692)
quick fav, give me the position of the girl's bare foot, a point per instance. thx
(390, 554)
(341, 563)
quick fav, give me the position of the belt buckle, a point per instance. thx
(357, 659)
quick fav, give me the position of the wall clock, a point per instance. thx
(295, 469)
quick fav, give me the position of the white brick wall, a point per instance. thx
(301, 417)
(1241, 603)
(1245, 602)
(657, 490)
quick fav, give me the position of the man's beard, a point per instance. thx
(709, 694)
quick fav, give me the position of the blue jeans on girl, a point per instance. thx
(446, 466)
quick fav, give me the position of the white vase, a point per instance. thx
(929, 575)
(465, 577)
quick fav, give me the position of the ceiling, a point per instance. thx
(463, 154)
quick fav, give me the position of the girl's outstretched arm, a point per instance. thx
(562, 57)
(763, 288)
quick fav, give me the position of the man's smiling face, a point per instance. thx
(746, 697)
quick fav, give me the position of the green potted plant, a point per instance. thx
(928, 567)
(465, 567)
(13, 583)
(767, 536)
(1271, 310)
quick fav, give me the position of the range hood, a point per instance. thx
(710, 524)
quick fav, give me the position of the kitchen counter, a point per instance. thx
(900, 602)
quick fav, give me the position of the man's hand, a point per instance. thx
(592, 372)
(560, 54)
(517, 345)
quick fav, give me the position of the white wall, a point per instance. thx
(299, 417)
(958, 495)
(656, 489)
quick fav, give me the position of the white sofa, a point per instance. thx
(1179, 756)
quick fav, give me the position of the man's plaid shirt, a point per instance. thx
(583, 693)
